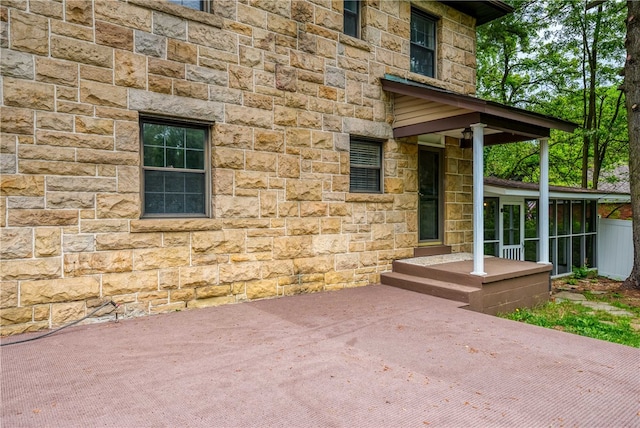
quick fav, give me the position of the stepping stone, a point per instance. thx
(602, 306)
(566, 295)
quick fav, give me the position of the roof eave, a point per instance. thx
(482, 11)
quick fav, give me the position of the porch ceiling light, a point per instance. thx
(467, 136)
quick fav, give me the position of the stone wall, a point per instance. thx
(283, 89)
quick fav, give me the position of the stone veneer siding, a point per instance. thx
(283, 89)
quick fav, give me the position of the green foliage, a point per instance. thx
(560, 59)
(580, 272)
(578, 319)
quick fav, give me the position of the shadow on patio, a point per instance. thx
(370, 356)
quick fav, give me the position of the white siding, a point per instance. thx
(615, 248)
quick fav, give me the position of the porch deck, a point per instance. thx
(508, 284)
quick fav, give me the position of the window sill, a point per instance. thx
(354, 42)
(369, 197)
(175, 225)
(181, 12)
(433, 81)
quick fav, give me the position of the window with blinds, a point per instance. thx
(366, 166)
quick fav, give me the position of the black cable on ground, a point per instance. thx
(63, 327)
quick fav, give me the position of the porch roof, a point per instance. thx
(502, 187)
(425, 109)
(483, 11)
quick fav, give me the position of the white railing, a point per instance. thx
(512, 252)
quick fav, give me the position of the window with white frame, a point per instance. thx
(175, 168)
(423, 43)
(365, 166)
(351, 14)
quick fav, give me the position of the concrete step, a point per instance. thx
(432, 287)
(436, 273)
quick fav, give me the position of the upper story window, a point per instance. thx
(365, 166)
(352, 18)
(204, 5)
(175, 168)
(423, 43)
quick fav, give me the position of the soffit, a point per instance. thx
(483, 11)
(423, 109)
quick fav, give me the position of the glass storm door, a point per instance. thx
(429, 195)
(511, 221)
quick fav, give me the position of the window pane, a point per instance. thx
(490, 219)
(552, 255)
(154, 181)
(531, 251)
(429, 174)
(351, 17)
(576, 252)
(154, 203)
(491, 249)
(174, 192)
(422, 61)
(351, 25)
(552, 218)
(590, 249)
(365, 180)
(194, 183)
(590, 216)
(563, 256)
(175, 158)
(175, 137)
(366, 166)
(193, 4)
(174, 202)
(511, 225)
(194, 203)
(365, 154)
(195, 138)
(153, 156)
(351, 6)
(531, 219)
(577, 208)
(423, 43)
(429, 221)
(563, 216)
(174, 182)
(195, 159)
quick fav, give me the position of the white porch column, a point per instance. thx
(543, 207)
(478, 199)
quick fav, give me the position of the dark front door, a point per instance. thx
(430, 194)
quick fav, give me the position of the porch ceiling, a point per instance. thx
(423, 109)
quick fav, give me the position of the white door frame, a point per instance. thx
(513, 252)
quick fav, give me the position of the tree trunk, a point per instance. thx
(632, 93)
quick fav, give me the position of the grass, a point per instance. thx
(578, 319)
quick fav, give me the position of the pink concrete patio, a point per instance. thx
(373, 357)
